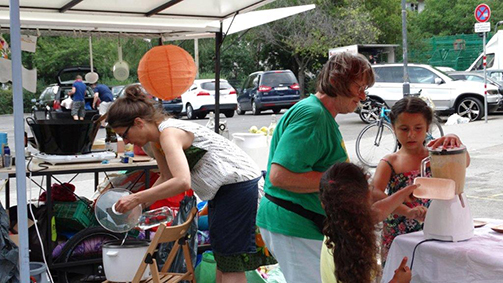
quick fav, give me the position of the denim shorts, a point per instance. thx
(231, 218)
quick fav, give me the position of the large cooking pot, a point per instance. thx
(63, 136)
(121, 262)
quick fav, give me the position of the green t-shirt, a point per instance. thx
(307, 138)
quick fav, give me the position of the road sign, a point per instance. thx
(482, 13)
(483, 27)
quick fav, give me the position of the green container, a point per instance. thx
(73, 216)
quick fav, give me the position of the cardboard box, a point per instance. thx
(15, 237)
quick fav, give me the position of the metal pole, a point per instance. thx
(406, 85)
(218, 42)
(196, 56)
(17, 100)
(485, 78)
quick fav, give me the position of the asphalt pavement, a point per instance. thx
(484, 185)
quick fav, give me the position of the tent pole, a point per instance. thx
(17, 100)
(218, 43)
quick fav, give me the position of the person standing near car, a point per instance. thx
(78, 93)
(305, 143)
(104, 94)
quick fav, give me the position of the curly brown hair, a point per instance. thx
(349, 228)
(134, 103)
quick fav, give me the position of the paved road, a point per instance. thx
(484, 141)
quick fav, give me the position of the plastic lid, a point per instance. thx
(112, 220)
(447, 151)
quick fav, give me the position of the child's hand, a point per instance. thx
(418, 213)
(402, 273)
(408, 197)
(447, 141)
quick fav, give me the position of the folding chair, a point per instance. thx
(177, 234)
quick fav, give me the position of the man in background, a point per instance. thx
(104, 94)
(78, 93)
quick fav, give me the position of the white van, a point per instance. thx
(466, 98)
(494, 54)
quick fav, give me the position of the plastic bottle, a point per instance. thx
(6, 156)
(272, 126)
(155, 217)
(111, 140)
(129, 153)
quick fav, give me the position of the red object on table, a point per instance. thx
(138, 150)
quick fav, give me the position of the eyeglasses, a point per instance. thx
(361, 88)
(124, 135)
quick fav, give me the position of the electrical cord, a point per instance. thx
(39, 236)
(414, 251)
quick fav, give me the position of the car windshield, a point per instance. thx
(211, 85)
(278, 79)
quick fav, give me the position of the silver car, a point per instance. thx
(466, 98)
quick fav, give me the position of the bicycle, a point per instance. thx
(378, 139)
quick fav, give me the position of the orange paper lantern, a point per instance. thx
(166, 71)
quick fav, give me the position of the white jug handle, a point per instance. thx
(423, 166)
(112, 253)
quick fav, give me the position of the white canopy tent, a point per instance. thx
(167, 19)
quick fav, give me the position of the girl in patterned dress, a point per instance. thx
(191, 156)
(410, 117)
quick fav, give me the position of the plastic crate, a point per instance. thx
(73, 216)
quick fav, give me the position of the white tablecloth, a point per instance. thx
(479, 259)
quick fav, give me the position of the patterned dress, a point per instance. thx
(396, 224)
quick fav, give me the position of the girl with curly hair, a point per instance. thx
(350, 246)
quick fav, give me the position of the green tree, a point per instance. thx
(449, 17)
(307, 36)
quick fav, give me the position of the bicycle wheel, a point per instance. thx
(434, 132)
(82, 256)
(374, 142)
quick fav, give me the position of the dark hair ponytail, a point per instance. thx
(134, 103)
(413, 105)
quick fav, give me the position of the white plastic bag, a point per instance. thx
(456, 119)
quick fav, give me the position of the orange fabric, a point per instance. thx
(204, 211)
(166, 71)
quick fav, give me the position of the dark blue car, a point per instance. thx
(273, 90)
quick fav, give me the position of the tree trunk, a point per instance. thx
(301, 74)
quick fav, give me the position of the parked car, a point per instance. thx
(448, 94)
(172, 107)
(445, 69)
(53, 94)
(116, 89)
(274, 90)
(495, 74)
(477, 77)
(199, 99)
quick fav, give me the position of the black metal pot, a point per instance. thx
(63, 136)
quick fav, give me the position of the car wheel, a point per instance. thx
(470, 107)
(229, 114)
(255, 109)
(369, 112)
(190, 112)
(239, 110)
(276, 110)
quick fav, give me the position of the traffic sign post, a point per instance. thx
(482, 15)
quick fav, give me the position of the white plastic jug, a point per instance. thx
(255, 145)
